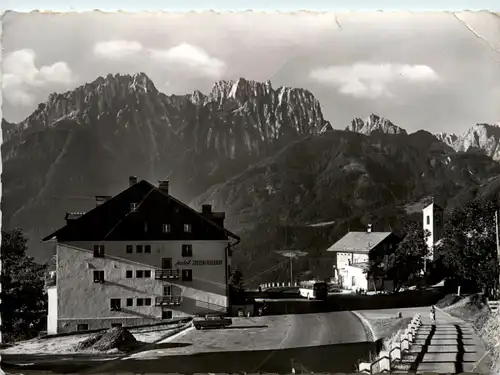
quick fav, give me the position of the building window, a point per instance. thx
(98, 251)
(99, 277)
(187, 275)
(167, 290)
(130, 302)
(187, 228)
(147, 301)
(147, 249)
(115, 304)
(166, 263)
(140, 302)
(147, 274)
(116, 325)
(166, 314)
(138, 249)
(353, 281)
(133, 207)
(166, 228)
(130, 249)
(187, 250)
(428, 220)
(82, 327)
(129, 274)
(139, 274)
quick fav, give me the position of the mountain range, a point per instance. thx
(264, 155)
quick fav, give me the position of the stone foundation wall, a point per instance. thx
(70, 325)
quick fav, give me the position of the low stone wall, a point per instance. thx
(70, 325)
(385, 359)
(129, 325)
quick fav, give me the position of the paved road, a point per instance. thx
(325, 329)
(268, 344)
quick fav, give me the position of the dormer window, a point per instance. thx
(98, 251)
(133, 207)
(187, 228)
(166, 228)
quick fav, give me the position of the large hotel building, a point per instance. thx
(136, 258)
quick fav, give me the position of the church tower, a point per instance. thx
(433, 220)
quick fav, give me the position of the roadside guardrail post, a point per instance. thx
(405, 344)
(365, 368)
(395, 352)
(384, 362)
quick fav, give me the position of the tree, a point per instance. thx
(236, 287)
(468, 249)
(406, 263)
(23, 298)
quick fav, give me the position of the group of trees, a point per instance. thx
(466, 254)
(404, 265)
(24, 303)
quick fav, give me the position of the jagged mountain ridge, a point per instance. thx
(480, 137)
(374, 123)
(484, 137)
(261, 154)
(346, 178)
(87, 141)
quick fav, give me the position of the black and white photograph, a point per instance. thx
(250, 192)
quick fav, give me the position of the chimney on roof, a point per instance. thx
(100, 199)
(163, 186)
(132, 180)
(369, 228)
(206, 209)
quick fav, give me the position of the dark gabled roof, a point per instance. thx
(104, 218)
(435, 205)
(359, 241)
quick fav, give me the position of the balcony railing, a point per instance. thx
(167, 274)
(168, 301)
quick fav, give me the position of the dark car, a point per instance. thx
(212, 321)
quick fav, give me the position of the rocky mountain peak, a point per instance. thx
(104, 95)
(237, 116)
(481, 136)
(447, 138)
(198, 98)
(374, 123)
(240, 90)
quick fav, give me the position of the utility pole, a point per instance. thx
(292, 254)
(498, 249)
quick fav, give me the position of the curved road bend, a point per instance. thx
(338, 338)
(339, 327)
(320, 336)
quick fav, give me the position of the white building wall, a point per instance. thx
(80, 298)
(52, 310)
(345, 258)
(428, 224)
(355, 279)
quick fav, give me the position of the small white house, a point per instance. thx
(355, 277)
(352, 254)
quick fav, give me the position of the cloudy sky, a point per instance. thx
(435, 71)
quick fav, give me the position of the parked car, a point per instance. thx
(212, 321)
